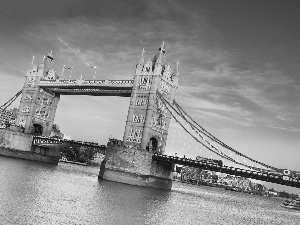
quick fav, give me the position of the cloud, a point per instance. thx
(216, 83)
(260, 95)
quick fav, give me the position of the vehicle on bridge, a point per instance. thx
(211, 161)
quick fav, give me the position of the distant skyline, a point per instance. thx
(239, 66)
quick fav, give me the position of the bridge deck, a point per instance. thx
(258, 175)
(51, 142)
(121, 88)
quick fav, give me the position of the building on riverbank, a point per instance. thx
(8, 117)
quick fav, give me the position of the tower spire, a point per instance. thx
(62, 74)
(160, 57)
(141, 61)
(175, 74)
(50, 56)
(30, 67)
(162, 48)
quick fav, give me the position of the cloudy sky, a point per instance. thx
(239, 65)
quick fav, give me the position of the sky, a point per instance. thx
(239, 63)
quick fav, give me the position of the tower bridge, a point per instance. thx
(139, 158)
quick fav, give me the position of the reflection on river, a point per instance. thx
(37, 193)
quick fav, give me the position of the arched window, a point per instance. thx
(37, 130)
(152, 145)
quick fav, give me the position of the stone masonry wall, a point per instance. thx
(162, 170)
(19, 145)
(28, 155)
(125, 159)
(135, 167)
(15, 140)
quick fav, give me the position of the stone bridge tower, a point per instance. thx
(37, 107)
(130, 161)
(148, 120)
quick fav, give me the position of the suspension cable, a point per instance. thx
(219, 141)
(206, 133)
(10, 101)
(163, 101)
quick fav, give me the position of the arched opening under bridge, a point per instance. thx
(37, 130)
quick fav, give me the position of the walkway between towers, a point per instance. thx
(80, 86)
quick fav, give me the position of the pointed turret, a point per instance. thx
(48, 60)
(160, 57)
(62, 74)
(159, 60)
(32, 68)
(50, 56)
(46, 65)
(31, 64)
(42, 64)
(139, 66)
(141, 61)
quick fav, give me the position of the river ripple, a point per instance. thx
(38, 193)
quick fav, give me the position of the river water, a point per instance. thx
(38, 193)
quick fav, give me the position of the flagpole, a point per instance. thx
(62, 75)
(94, 67)
(71, 73)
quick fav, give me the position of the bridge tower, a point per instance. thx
(148, 120)
(130, 161)
(38, 106)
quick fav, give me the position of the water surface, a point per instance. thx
(38, 193)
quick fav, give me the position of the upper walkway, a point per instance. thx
(121, 88)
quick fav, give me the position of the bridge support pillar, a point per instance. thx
(135, 167)
(19, 145)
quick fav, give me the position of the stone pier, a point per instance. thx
(135, 167)
(19, 145)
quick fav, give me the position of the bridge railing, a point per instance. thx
(42, 140)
